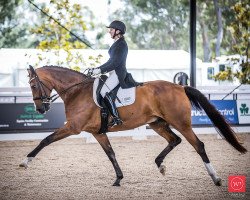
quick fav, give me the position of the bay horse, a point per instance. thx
(158, 104)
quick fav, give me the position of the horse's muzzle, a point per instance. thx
(45, 107)
(40, 110)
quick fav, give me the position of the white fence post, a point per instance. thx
(139, 133)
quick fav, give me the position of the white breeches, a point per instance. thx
(111, 82)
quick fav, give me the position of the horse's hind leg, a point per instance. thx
(200, 148)
(57, 135)
(163, 129)
(105, 144)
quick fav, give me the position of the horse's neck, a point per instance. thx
(66, 83)
(63, 81)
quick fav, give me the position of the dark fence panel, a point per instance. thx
(23, 117)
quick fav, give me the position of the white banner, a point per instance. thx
(243, 107)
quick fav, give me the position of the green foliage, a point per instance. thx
(7, 9)
(56, 39)
(13, 25)
(156, 24)
(164, 24)
(241, 34)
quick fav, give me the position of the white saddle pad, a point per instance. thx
(126, 96)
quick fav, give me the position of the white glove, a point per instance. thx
(96, 71)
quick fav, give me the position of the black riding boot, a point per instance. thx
(112, 109)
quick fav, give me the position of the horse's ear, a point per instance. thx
(31, 70)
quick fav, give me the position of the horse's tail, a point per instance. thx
(199, 101)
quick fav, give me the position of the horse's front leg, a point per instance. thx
(57, 135)
(104, 142)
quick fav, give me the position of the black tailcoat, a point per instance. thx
(118, 54)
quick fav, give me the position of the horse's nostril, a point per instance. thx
(41, 111)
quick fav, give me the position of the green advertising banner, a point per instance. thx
(23, 116)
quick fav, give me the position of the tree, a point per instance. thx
(156, 24)
(219, 37)
(241, 34)
(165, 25)
(13, 25)
(228, 15)
(58, 40)
(202, 12)
(213, 18)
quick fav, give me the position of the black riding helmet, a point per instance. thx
(118, 25)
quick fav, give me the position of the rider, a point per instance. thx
(116, 67)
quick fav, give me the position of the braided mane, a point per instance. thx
(63, 68)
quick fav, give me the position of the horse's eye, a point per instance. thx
(33, 86)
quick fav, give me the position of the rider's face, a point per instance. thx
(112, 32)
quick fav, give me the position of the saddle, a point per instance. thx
(121, 97)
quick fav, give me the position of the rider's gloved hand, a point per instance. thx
(96, 71)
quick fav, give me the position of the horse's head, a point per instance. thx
(40, 91)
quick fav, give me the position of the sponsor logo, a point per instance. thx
(29, 109)
(30, 117)
(224, 112)
(244, 110)
(30, 113)
(127, 99)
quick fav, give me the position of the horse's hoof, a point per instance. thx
(217, 182)
(116, 184)
(23, 164)
(162, 169)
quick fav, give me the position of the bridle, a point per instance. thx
(41, 87)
